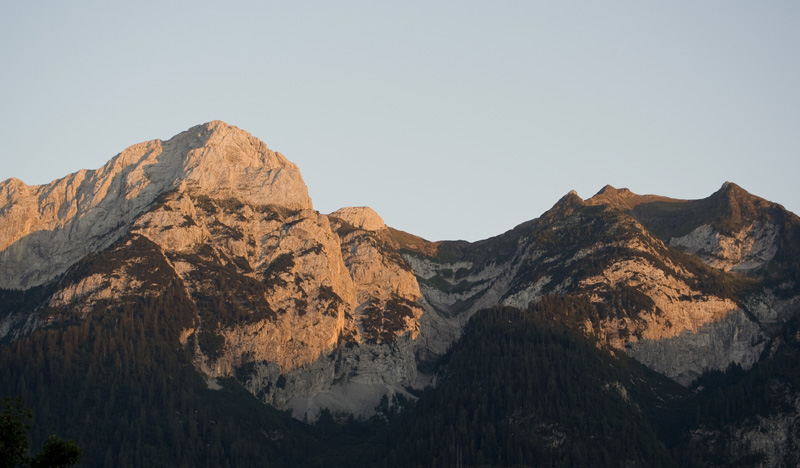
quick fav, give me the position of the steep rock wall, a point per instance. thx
(44, 229)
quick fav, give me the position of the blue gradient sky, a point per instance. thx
(451, 119)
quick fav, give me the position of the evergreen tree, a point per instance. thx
(56, 453)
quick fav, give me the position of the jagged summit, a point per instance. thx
(732, 191)
(571, 198)
(610, 190)
(565, 205)
(223, 161)
(623, 199)
(46, 228)
(733, 207)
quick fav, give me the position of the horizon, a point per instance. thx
(555, 200)
(584, 198)
(451, 121)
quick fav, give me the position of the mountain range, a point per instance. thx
(185, 304)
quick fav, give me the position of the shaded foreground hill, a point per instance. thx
(518, 389)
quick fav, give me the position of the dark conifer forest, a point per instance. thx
(518, 389)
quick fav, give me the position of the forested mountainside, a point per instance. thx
(185, 305)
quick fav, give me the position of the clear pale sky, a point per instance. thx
(453, 120)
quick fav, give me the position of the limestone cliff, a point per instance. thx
(46, 228)
(642, 297)
(278, 287)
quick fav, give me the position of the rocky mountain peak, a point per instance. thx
(223, 161)
(622, 199)
(565, 206)
(728, 185)
(570, 198)
(47, 228)
(731, 190)
(361, 217)
(610, 190)
(731, 193)
(11, 190)
(736, 206)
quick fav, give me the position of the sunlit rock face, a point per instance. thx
(640, 295)
(46, 228)
(749, 248)
(361, 217)
(278, 287)
(340, 306)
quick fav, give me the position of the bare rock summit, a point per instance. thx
(623, 199)
(360, 217)
(46, 228)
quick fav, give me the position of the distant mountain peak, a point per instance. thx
(732, 195)
(214, 127)
(729, 189)
(11, 189)
(566, 205)
(622, 199)
(610, 190)
(571, 198)
(224, 161)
